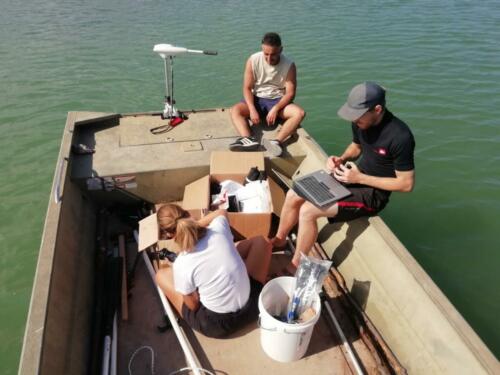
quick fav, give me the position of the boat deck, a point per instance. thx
(241, 353)
(382, 280)
(162, 165)
(126, 145)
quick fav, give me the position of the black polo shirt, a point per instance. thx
(386, 147)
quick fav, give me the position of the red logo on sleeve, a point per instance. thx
(381, 151)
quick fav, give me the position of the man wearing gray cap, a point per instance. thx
(386, 144)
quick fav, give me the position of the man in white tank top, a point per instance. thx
(269, 84)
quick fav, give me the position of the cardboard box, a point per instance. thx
(227, 165)
(224, 165)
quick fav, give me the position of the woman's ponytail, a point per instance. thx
(177, 223)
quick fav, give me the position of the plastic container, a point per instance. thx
(282, 341)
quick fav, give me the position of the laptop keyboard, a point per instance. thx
(316, 188)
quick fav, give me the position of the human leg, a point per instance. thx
(288, 218)
(239, 116)
(165, 280)
(308, 228)
(293, 116)
(256, 253)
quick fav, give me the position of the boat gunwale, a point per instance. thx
(471, 339)
(34, 334)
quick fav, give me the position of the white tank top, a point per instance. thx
(269, 79)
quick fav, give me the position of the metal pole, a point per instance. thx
(171, 316)
(114, 346)
(167, 88)
(346, 344)
(172, 86)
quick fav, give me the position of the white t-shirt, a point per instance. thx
(215, 268)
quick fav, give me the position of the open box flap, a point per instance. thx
(225, 163)
(277, 196)
(249, 225)
(148, 232)
(197, 194)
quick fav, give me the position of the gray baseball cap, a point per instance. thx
(362, 97)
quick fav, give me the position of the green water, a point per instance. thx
(440, 62)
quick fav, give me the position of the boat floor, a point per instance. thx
(239, 354)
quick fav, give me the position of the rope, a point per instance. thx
(152, 359)
(184, 369)
(190, 369)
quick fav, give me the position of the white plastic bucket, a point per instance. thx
(281, 341)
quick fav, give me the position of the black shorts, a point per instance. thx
(364, 201)
(219, 325)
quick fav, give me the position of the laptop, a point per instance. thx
(319, 187)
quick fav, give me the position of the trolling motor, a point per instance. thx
(167, 53)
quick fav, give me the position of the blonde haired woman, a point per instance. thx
(214, 283)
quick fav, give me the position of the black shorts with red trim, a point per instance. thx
(213, 324)
(364, 201)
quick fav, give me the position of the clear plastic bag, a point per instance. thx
(310, 276)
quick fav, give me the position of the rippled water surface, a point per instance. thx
(438, 60)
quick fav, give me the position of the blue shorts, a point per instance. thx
(263, 105)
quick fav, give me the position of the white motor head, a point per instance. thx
(169, 50)
(165, 50)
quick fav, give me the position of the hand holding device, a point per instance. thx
(347, 173)
(333, 162)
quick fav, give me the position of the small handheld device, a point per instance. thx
(167, 254)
